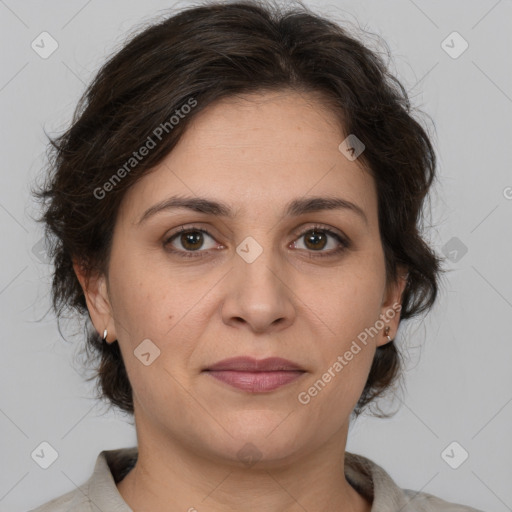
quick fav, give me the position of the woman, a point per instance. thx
(236, 209)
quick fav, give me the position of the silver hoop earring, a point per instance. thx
(104, 335)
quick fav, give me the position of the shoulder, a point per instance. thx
(100, 491)
(71, 501)
(373, 482)
(424, 502)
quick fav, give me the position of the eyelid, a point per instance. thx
(185, 229)
(343, 240)
(319, 226)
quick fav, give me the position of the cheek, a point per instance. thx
(349, 312)
(137, 308)
(352, 301)
(335, 387)
(156, 346)
(144, 294)
(156, 313)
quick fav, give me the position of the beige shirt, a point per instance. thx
(100, 494)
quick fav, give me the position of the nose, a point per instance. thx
(259, 295)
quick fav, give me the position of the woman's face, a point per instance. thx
(254, 283)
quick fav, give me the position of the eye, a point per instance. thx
(316, 239)
(191, 240)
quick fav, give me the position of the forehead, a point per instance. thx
(257, 153)
(281, 122)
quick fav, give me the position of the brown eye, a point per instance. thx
(316, 239)
(188, 241)
(191, 240)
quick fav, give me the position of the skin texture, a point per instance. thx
(255, 153)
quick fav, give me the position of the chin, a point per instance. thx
(267, 443)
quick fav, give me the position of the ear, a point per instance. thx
(392, 305)
(98, 301)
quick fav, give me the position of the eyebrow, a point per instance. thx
(294, 208)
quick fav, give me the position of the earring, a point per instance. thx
(386, 333)
(104, 335)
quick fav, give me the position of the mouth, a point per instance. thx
(253, 375)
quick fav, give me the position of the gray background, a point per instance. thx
(459, 383)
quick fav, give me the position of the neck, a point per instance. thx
(170, 475)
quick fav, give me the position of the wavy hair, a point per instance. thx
(208, 52)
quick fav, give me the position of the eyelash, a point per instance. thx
(344, 243)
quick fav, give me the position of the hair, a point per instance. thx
(198, 56)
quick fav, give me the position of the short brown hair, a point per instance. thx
(209, 52)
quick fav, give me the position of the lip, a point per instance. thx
(255, 376)
(250, 364)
